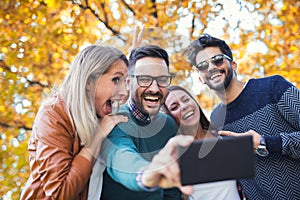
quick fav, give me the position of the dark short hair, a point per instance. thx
(147, 51)
(203, 120)
(203, 42)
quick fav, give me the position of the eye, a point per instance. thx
(202, 66)
(145, 79)
(217, 60)
(163, 79)
(173, 108)
(185, 100)
(116, 80)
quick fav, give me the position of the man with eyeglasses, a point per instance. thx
(131, 146)
(266, 108)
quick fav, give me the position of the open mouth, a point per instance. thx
(188, 115)
(215, 74)
(112, 106)
(152, 100)
(108, 106)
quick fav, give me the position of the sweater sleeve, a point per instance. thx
(288, 105)
(122, 159)
(64, 172)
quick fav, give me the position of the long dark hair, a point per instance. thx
(203, 120)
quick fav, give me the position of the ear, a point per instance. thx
(234, 65)
(90, 85)
(127, 81)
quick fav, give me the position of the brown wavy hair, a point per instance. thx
(203, 120)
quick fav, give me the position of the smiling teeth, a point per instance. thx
(188, 115)
(215, 75)
(151, 98)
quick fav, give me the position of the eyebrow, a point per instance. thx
(180, 99)
(116, 73)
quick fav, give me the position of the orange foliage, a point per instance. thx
(40, 38)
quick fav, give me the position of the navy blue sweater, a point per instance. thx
(271, 107)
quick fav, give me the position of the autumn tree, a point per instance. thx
(39, 39)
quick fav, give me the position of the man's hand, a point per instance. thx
(255, 136)
(164, 170)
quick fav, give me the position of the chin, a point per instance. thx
(152, 111)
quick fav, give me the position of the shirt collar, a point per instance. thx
(142, 118)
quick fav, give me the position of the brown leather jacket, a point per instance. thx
(57, 170)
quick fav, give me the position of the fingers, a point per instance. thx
(228, 133)
(188, 190)
(137, 38)
(182, 140)
(108, 122)
(120, 118)
(134, 39)
(140, 36)
(164, 169)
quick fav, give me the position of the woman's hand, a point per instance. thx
(107, 123)
(164, 170)
(104, 127)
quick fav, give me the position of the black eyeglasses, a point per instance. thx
(217, 60)
(146, 81)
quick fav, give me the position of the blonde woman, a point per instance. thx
(72, 123)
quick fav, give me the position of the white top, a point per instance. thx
(96, 180)
(220, 190)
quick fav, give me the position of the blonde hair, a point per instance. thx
(87, 67)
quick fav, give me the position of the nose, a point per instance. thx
(154, 86)
(121, 90)
(211, 66)
(183, 106)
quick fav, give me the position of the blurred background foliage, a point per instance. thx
(39, 39)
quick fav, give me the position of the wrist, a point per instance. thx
(85, 152)
(140, 181)
(262, 150)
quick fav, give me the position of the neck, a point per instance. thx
(203, 134)
(198, 132)
(233, 90)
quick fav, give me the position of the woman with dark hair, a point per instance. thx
(172, 107)
(190, 118)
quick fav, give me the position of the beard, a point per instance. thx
(222, 86)
(139, 102)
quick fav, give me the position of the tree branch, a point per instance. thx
(128, 7)
(193, 25)
(87, 7)
(154, 13)
(31, 83)
(19, 127)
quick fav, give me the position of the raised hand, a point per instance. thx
(137, 37)
(104, 127)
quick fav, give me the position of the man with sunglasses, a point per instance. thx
(266, 108)
(131, 146)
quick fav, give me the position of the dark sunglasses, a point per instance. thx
(217, 60)
(146, 81)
